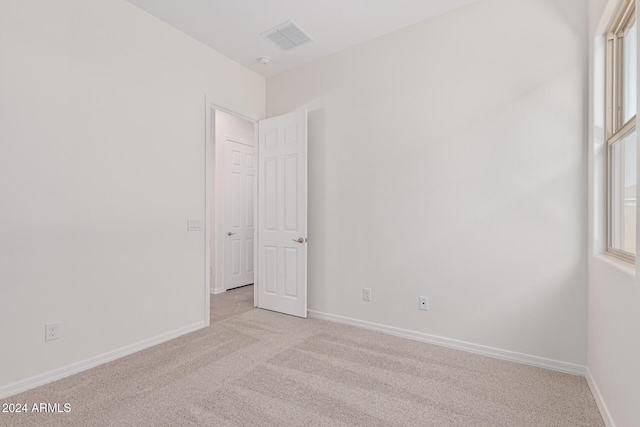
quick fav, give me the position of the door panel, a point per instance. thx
(239, 221)
(282, 214)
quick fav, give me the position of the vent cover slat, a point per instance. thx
(281, 40)
(295, 35)
(287, 35)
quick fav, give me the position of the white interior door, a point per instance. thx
(282, 214)
(240, 166)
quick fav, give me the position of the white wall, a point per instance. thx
(102, 135)
(224, 125)
(613, 290)
(448, 160)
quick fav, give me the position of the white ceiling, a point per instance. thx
(233, 27)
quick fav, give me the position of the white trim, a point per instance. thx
(216, 291)
(229, 138)
(604, 411)
(256, 222)
(607, 16)
(512, 356)
(92, 362)
(207, 211)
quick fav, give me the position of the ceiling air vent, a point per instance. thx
(287, 35)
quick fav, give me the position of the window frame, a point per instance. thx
(616, 130)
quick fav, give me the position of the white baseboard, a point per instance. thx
(217, 291)
(74, 368)
(604, 411)
(541, 362)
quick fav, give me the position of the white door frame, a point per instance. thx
(211, 173)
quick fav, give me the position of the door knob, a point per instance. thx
(230, 234)
(299, 240)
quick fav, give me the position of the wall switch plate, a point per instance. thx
(52, 331)
(194, 225)
(366, 294)
(424, 303)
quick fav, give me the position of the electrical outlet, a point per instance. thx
(424, 303)
(52, 331)
(366, 294)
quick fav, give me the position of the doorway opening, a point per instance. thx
(244, 219)
(231, 204)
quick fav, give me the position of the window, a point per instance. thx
(621, 133)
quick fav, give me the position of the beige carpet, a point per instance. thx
(260, 368)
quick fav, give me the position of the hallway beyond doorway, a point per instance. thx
(232, 302)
